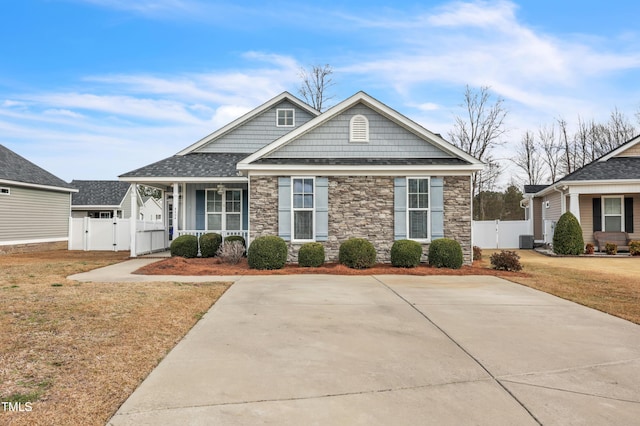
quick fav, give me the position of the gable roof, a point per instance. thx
(619, 150)
(615, 168)
(18, 170)
(258, 159)
(248, 116)
(101, 193)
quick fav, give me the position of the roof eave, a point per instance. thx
(37, 186)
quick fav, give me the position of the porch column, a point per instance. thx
(133, 220)
(574, 205)
(176, 200)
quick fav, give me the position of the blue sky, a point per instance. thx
(91, 89)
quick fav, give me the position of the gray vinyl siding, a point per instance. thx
(387, 139)
(191, 198)
(33, 214)
(126, 206)
(256, 133)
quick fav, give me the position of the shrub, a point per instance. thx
(311, 255)
(236, 238)
(634, 248)
(185, 246)
(209, 244)
(445, 253)
(477, 253)
(231, 252)
(406, 253)
(589, 248)
(506, 260)
(611, 248)
(567, 237)
(268, 252)
(357, 253)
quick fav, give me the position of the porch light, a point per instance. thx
(221, 189)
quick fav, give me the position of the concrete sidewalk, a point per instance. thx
(394, 350)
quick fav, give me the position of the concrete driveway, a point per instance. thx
(394, 350)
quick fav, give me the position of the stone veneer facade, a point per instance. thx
(362, 206)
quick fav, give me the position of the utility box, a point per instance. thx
(526, 241)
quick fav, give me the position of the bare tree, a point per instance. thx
(315, 82)
(480, 131)
(528, 159)
(550, 150)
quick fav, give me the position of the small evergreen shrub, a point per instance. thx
(209, 244)
(567, 237)
(311, 255)
(231, 252)
(268, 252)
(611, 248)
(185, 246)
(506, 260)
(589, 248)
(477, 253)
(357, 253)
(445, 253)
(406, 253)
(634, 248)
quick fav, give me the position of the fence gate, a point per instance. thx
(497, 234)
(115, 235)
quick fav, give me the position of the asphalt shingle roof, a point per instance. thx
(532, 189)
(364, 161)
(191, 165)
(99, 192)
(613, 169)
(18, 169)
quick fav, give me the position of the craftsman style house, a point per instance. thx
(360, 169)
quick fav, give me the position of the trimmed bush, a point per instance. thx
(589, 248)
(611, 248)
(231, 252)
(506, 260)
(311, 255)
(209, 244)
(406, 253)
(357, 253)
(567, 237)
(185, 246)
(445, 253)
(268, 252)
(634, 248)
(477, 253)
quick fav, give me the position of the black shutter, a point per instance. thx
(597, 214)
(628, 215)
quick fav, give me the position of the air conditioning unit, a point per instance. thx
(526, 241)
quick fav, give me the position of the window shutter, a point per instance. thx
(437, 208)
(200, 210)
(628, 215)
(359, 129)
(322, 209)
(597, 214)
(245, 209)
(400, 208)
(284, 208)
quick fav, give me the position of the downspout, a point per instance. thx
(563, 201)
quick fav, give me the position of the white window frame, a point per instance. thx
(605, 215)
(352, 137)
(294, 210)
(284, 111)
(5, 191)
(223, 212)
(104, 215)
(428, 209)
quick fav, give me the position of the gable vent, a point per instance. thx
(359, 129)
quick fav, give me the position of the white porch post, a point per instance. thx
(133, 220)
(574, 205)
(176, 200)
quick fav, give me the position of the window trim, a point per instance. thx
(312, 210)
(293, 117)
(428, 209)
(352, 139)
(223, 213)
(5, 190)
(621, 215)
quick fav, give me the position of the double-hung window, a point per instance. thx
(224, 210)
(303, 190)
(613, 217)
(418, 208)
(285, 117)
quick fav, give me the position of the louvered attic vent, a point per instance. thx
(359, 129)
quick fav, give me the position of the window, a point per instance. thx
(303, 209)
(613, 214)
(5, 191)
(359, 129)
(105, 215)
(224, 210)
(285, 117)
(418, 208)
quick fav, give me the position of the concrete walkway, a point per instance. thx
(393, 350)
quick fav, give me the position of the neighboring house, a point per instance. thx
(151, 209)
(360, 169)
(102, 199)
(604, 195)
(34, 205)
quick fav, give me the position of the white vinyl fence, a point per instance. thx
(90, 234)
(496, 234)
